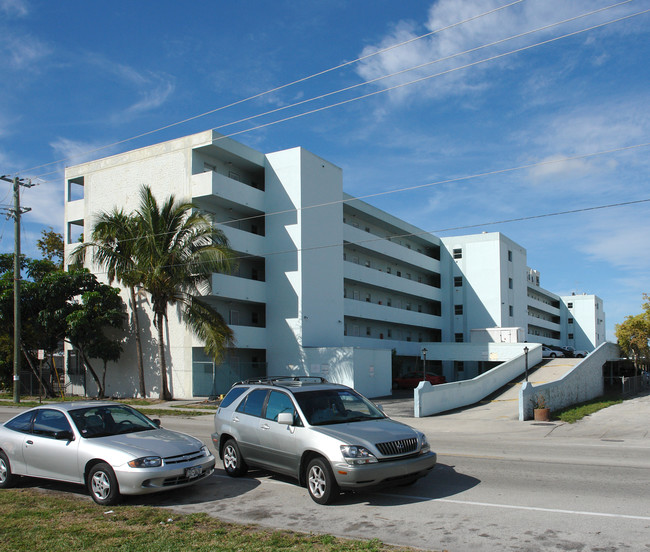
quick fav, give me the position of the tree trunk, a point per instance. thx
(138, 342)
(100, 387)
(164, 387)
(49, 392)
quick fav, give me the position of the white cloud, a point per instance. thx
(14, 8)
(484, 30)
(22, 53)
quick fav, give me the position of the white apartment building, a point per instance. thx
(325, 284)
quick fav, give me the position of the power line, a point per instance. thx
(421, 79)
(281, 87)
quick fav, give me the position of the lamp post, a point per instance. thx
(526, 361)
(424, 364)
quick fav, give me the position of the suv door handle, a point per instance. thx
(235, 418)
(29, 442)
(265, 426)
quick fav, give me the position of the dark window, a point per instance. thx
(48, 422)
(458, 309)
(570, 336)
(569, 305)
(458, 337)
(458, 281)
(278, 402)
(233, 394)
(509, 255)
(22, 423)
(511, 310)
(510, 283)
(570, 321)
(253, 403)
(458, 253)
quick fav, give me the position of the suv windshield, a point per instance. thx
(336, 406)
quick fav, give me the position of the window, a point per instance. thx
(389, 332)
(367, 298)
(569, 305)
(255, 318)
(570, 336)
(570, 320)
(459, 366)
(234, 318)
(388, 269)
(510, 283)
(458, 309)
(22, 423)
(399, 273)
(253, 403)
(278, 402)
(458, 337)
(368, 331)
(511, 310)
(509, 255)
(50, 422)
(458, 253)
(458, 281)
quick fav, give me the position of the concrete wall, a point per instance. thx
(584, 382)
(433, 399)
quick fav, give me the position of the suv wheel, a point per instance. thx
(322, 486)
(233, 462)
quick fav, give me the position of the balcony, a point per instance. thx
(239, 289)
(392, 282)
(246, 337)
(244, 242)
(212, 183)
(389, 249)
(390, 315)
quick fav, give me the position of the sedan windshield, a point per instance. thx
(101, 421)
(336, 406)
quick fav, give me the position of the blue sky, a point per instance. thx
(79, 75)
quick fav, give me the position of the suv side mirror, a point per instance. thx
(285, 418)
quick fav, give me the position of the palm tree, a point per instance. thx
(113, 242)
(179, 250)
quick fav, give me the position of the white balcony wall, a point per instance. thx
(244, 242)
(246, 337)
(241, 289)
(389, 249)
(381, 313)
(391, 282)
(541, 323)
(211, 183)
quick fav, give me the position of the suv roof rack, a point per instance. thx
(285, 380)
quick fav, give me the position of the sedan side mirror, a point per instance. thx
(285, 418)
(64, 435)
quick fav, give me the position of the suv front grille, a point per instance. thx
(394, 448)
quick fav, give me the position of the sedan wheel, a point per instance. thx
(102, 485)
(7, 479)
(233, 462)
(322, 486)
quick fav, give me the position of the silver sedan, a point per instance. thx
(111, 448)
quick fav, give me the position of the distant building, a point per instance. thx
(326, 284)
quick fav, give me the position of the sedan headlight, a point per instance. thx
(356, 455)
(146, 462)
(425, 445)
(205, 450)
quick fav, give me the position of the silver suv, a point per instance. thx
(327, 436)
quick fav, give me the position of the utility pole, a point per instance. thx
(15, 214)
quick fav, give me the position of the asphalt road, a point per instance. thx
(500, 485)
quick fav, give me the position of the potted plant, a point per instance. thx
(541, 412)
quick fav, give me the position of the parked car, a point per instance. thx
(413, 379)
(574, 353)
(551, 353)
(111, 448)
(327, 436)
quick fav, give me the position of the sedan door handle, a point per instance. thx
(29, 442)
(265, 426)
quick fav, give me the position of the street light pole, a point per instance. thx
(424, 364)
(526, 361)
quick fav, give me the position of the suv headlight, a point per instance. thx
(146, 462)
(356, 455)
(425, 445)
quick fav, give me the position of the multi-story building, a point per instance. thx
(325, 284)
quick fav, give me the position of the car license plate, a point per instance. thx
(193, 473)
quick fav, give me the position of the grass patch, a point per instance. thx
(574, 413)
(40, 521)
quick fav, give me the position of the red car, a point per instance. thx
(412, 380)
